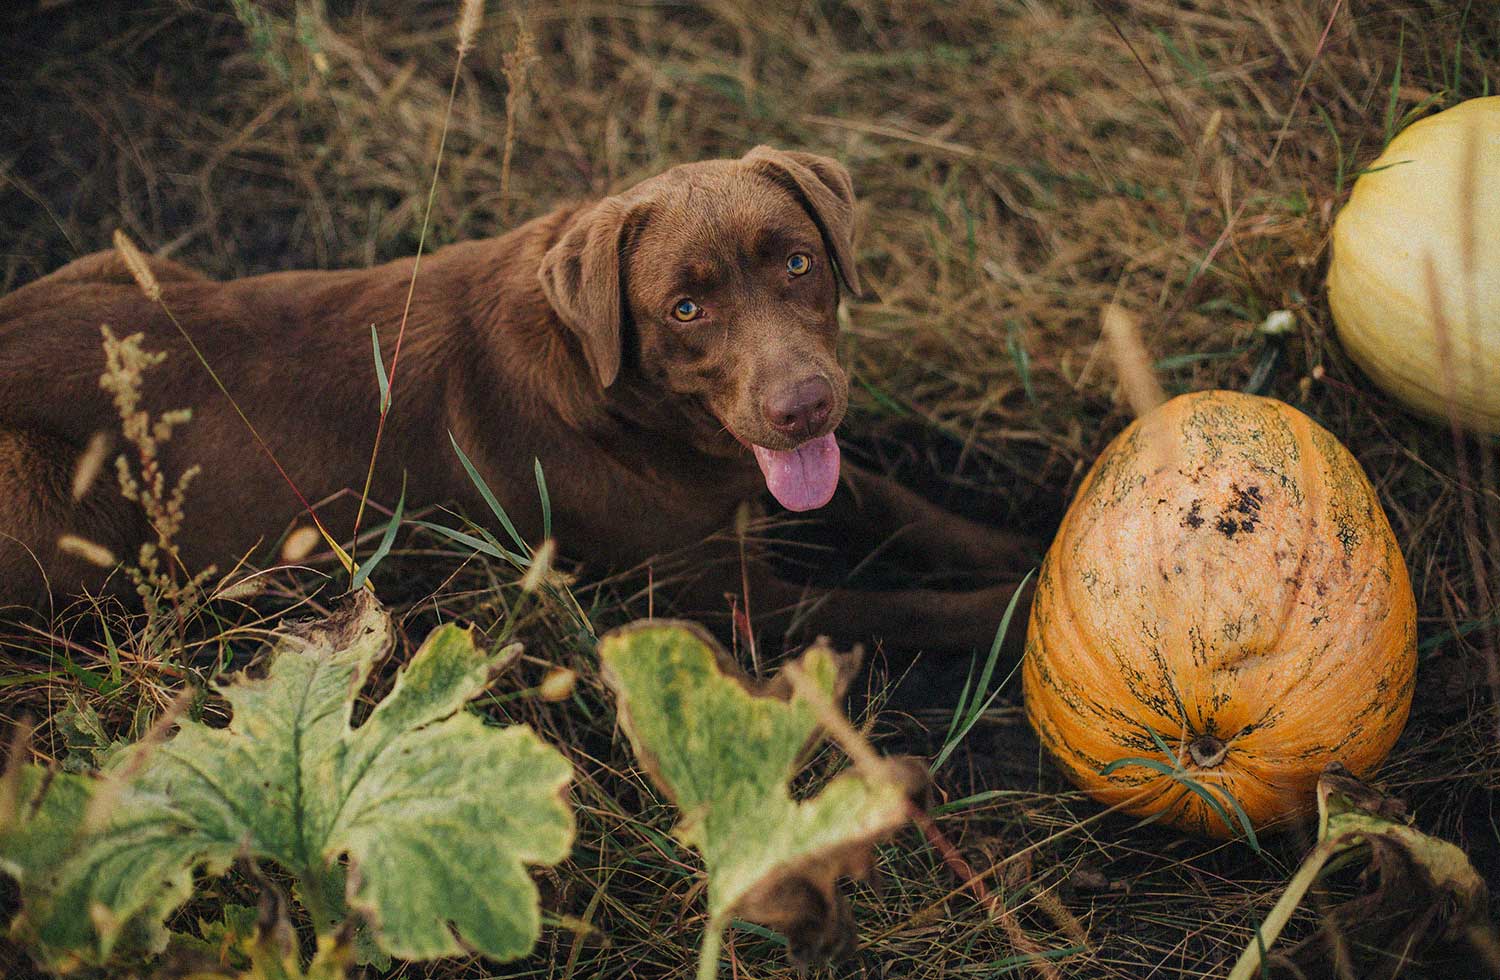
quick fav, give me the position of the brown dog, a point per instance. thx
(649, 349)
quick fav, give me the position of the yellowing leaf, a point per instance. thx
(436, 813)
(724, 748)
(264, 948)
(1352, 817)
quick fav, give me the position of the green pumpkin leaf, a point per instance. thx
(436, 813)
(724, 748)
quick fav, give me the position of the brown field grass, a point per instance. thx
(1022, 164)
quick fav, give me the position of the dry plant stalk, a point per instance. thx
(155, 570)
(90, 551)
(539, 572)
(866, 759)
(468, 24)
(140, 268)
(838, 727)
(135, 262)
(993, 904)
(517, 67)
(90, 464)
(299, 544)
(469, 18)
(1132, 363)
(240, 590)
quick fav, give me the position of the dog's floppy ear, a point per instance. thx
(824, 187)
(581, 278)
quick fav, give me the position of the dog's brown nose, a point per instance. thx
(800, 409)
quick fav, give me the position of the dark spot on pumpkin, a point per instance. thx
(1228, 526)
(1242, 514)
(1193, 520)
(1246, 501)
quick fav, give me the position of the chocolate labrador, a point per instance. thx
(666, 353)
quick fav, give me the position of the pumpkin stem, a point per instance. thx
(1207, 751)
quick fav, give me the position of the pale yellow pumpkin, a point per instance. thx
(1414, 281)
(1226, 579)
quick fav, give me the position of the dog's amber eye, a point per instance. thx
(797, 263)
(687, 310)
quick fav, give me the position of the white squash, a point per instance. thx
(1431, 201)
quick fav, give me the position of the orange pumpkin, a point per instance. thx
(1226, 582)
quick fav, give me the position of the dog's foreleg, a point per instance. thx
(880, 510)
(50, 541)
(783, 613)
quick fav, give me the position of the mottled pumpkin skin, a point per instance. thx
(1225, 570)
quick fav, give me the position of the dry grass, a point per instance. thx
(1022, 165)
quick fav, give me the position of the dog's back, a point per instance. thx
(293, 351)
(50, 336)
(288, 369)
(50, 349)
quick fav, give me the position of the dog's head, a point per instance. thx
(718, 283)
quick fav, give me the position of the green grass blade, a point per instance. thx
(1021, 358)
(1014, 964)
(1338, 148)
(385, 383)
(386, 540)
(478, 544)
(1390, 106)
(962, 705)
(113, 649)
(86, 677)
(954, 806)
(489, 498)
(1174, 770)
(1155, 765)
(1464, 629)
(882, 399)
(978, 708)
(1458, 51)
(1165, 750)
(541, 489)
(1208, 798)
(1243, 817)
(1177, 361)
(12, 680)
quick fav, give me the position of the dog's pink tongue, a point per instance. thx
(803, 478)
